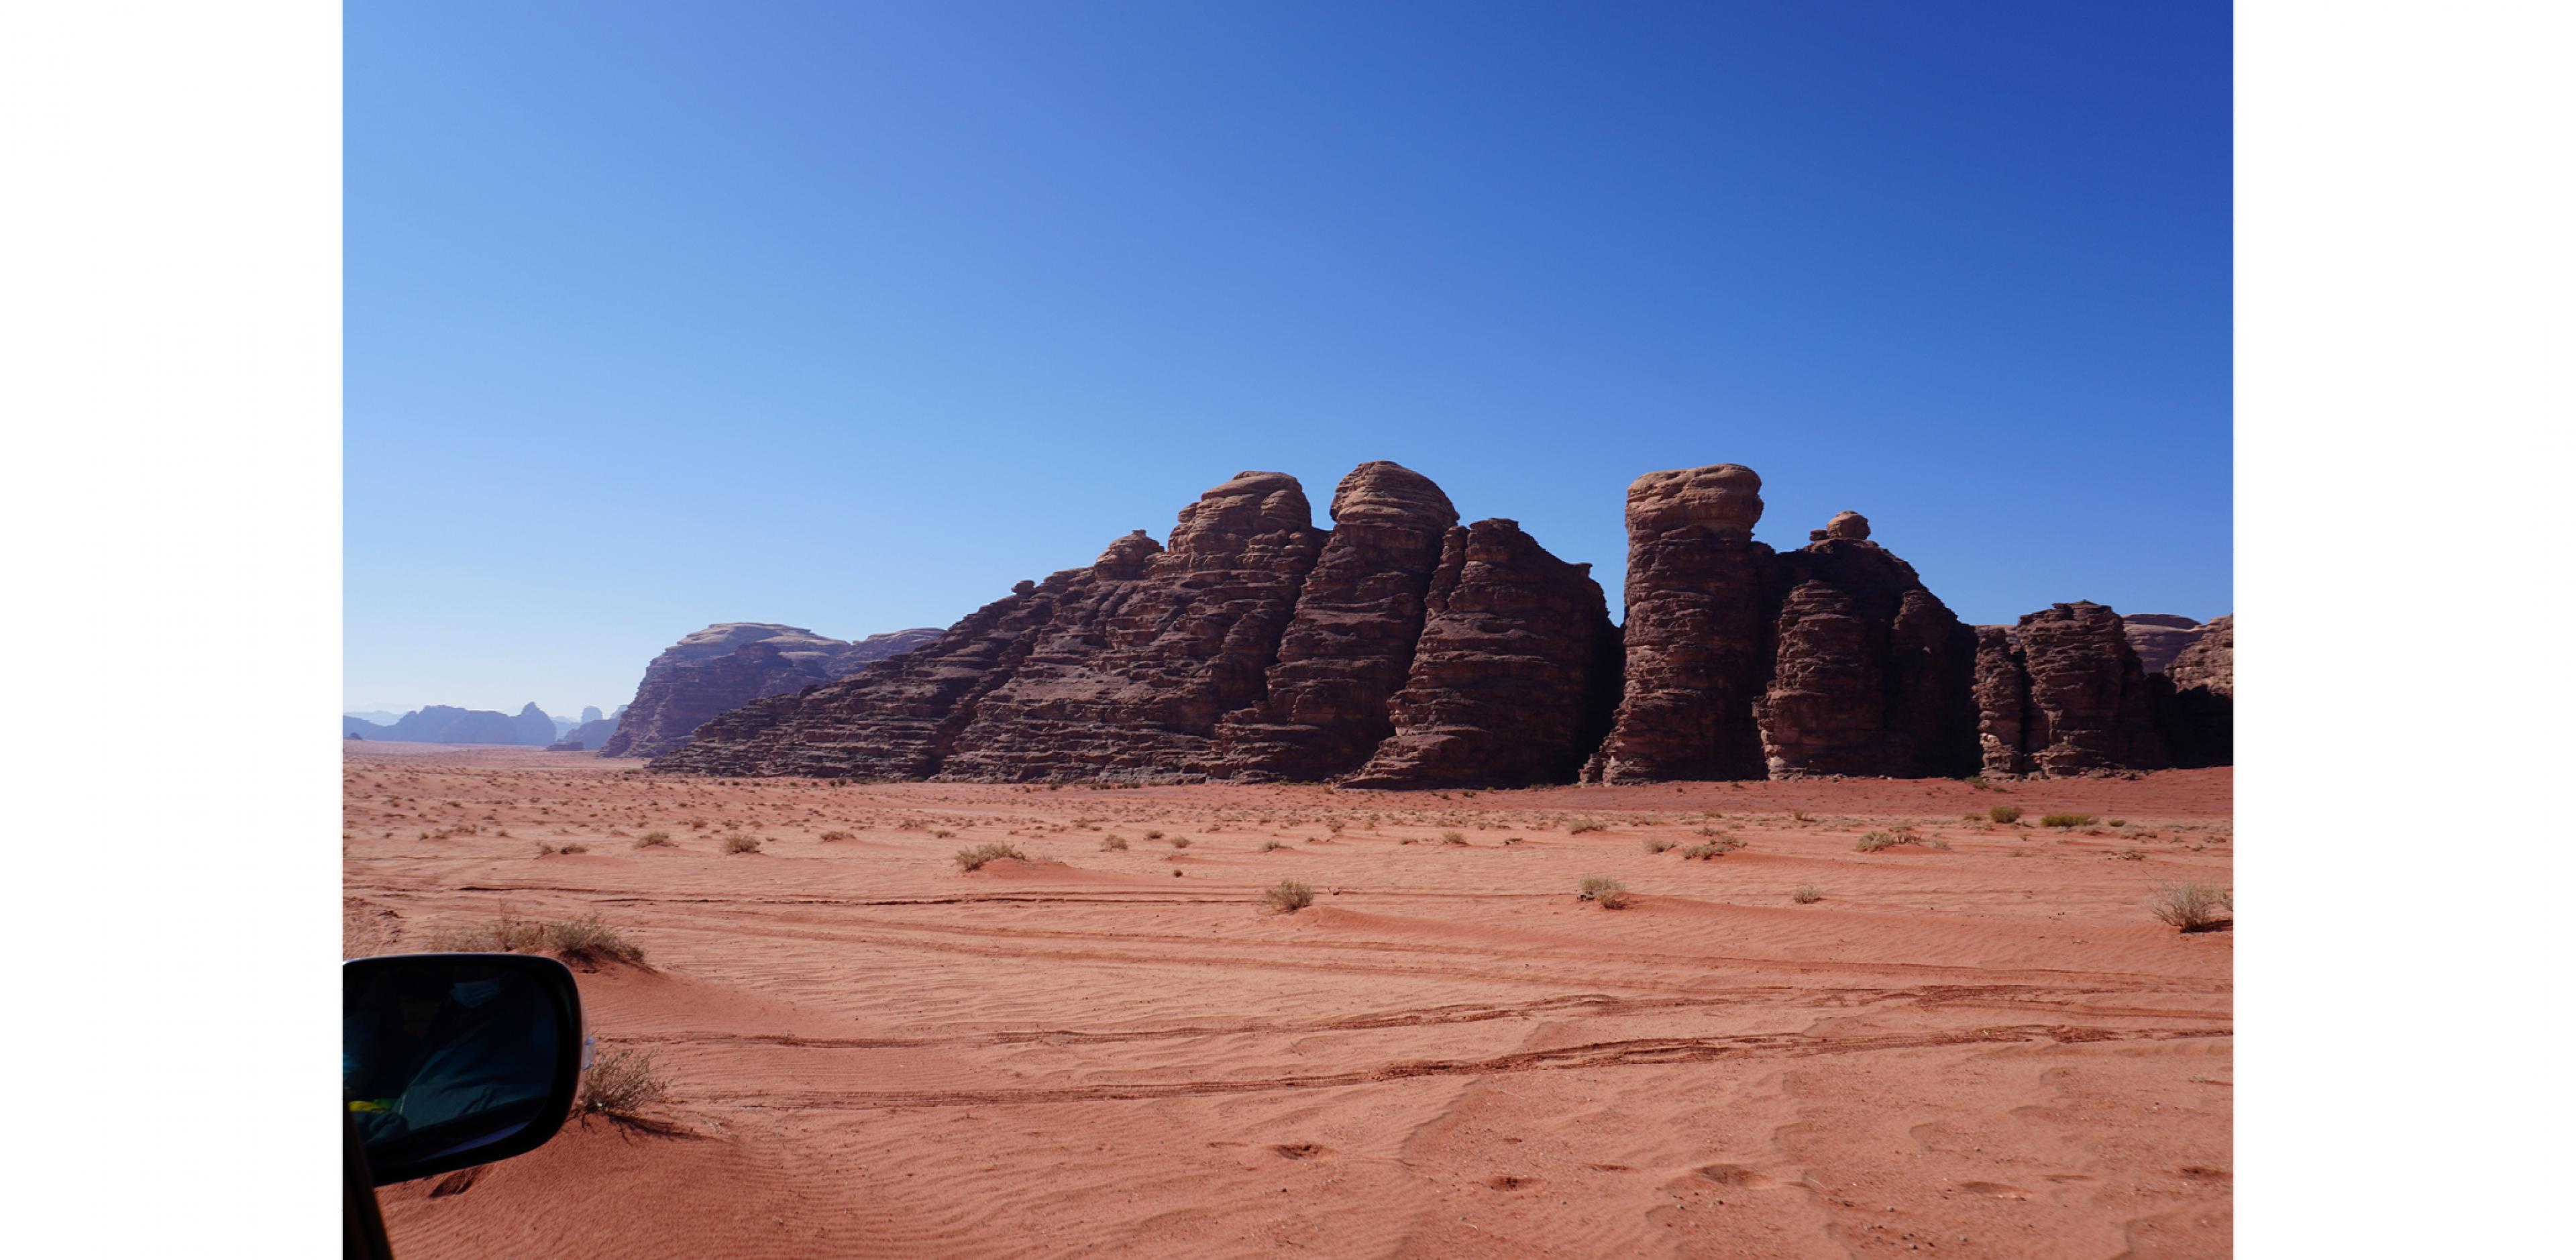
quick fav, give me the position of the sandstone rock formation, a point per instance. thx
(2210, 661)
(2160, 637)
(594, 731)
(2084, 702)
(533, 726)
(1351, 641)
(2197, 704)
(1870, 673)
(441, 724)
(1515, 673)
(730, 664)
(1694, 629)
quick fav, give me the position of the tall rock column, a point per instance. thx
(2089, 703)
(1694, 629)
(1350, 642)
(1871, 673)
(1513, 675)
(2003, 704)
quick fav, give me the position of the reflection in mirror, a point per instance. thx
(453, 1060)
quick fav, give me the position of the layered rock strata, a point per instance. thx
(1514, 675)
(730, 664)
(1351, 641)
(1870, 673)
(2084, 702)
(2196, 706)
(1694, 630)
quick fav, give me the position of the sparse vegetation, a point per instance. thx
(974, 859)
(1800, 815)
(587, 939)
(1603, 891)
(739, 842)
(574, 848)
(1658, 844)
(1113, 842)
(942, 833)
(1286, 897)
(1582, 825)
(1150, 835)
(1180, 842)
(620, 1084)
(1268, 845)
(838, 835)
(2005, 813)
(1807, 895)
(655, 840)
(1452, 837)
(1872, 842)
(2192, 907)
(2066, 820)
(2131, 855)
(2119, 822)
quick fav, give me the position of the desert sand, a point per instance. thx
(1989, 1049)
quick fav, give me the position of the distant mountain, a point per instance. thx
(594, 733)
(445, 724)
(731, 664)
(377, 716)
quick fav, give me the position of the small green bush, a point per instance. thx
(2066, 820)
(2005, 813)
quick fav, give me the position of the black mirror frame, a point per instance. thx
(564, 999)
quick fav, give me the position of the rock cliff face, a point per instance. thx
(1401, 650)
(2085, 701)
(1871, 674)
(1515, 673)
(2197, 704)
(533, 726)
(1351, 640)
(1694, 630)
(730, 664)
(2160, 637)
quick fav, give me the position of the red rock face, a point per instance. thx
(2196, 707)
(2003, 703)
(2210, 661)
(1514, 673)
(1694, 629)
(1351, 641)
(1871, 674)
(730, 664)
(2089, 705)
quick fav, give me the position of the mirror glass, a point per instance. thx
(452, 1060)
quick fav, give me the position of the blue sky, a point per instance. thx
(851, 315)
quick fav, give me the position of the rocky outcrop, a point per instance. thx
(2160, 637)
(442, 724)
(1694, 629)
(1871, 674)
(594, 731)
(1351, 640)
(2085, 701)
(2196, 706)
(730, 664)
(1514, 675)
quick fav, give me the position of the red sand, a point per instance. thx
(1992, 1050)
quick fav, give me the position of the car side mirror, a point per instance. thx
(453, 1060)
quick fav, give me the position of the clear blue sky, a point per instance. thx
(852, 315)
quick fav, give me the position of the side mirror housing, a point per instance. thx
(452, 1060)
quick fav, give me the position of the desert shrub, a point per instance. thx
(697, 824)
(2005, 813)
(1614, 899)
(737, 842)
(574, 848)
(1408, 839)
(655, 840)
(1582, 825)
(942, 833)
(1113, 842)
(2066, 820)
(1807, 895)
(586, 939)
(590, 939)
(1978, 781)
(620, 1084)
(1287, 896)
(545, 850)
(1658, 844)
(1874, 841)
(1452, 837)
(2119, 822)
(1268, 845)
(1153, 835)
(1800, 815)
(838, 835)
(974, 859)
(2192, 907)
(1596, 887)
(1180, 842)
(1702, 852)
(1937, 844)
(2130, 855)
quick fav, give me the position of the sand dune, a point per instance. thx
(1986, 1050)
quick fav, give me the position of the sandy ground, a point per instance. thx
(1985, 1050)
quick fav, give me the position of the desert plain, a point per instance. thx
(1976, 1041)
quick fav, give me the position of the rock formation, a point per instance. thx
(594, 731)
(730, 664)
(1694, 629)
(441, 724)
(1351, 640)
(533, 726)
(2196, 707)
(1400, 650)
(1515, 672)
(1871, 674)
(2160, 637)
(2084, 701)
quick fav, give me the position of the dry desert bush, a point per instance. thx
(1607, 893)
(1581, 825)
(620, 1085)
(1114, 842)
(2192, 907)
(974, 859)
(1807, 895)
(2066, 820)
(737, 842)
(837, 835)
(655, 840)
(2005, 813)
(1659, 844)
(586, 939)
(1287, 896)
